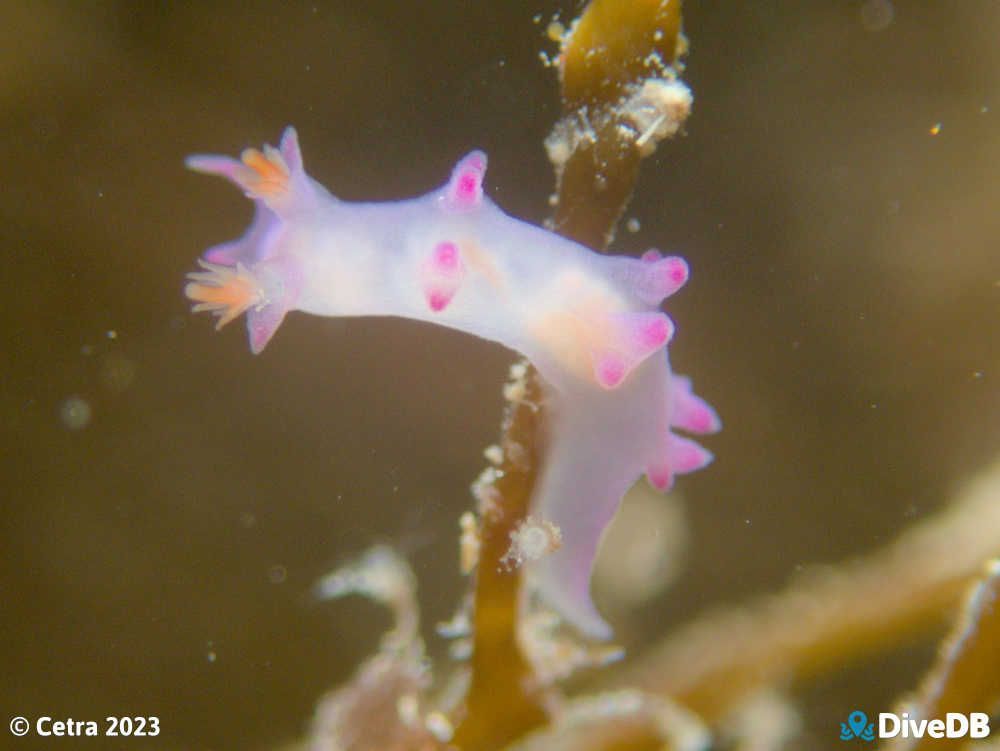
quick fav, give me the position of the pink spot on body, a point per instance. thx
(654, 333)
(659, 277)
(660, 476)
(438, 300)
(675, 270)
(445, 258)
(442, 274)
(621, 341)
(679, 457)
(686, 455)
(668, 275)
(465, 189)
(702, 421)
(610, 371)
(644, 332)
(690, 412)
(467, 185)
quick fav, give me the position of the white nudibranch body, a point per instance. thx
(590, 323)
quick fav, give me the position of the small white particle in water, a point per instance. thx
(632, 225)
(277, 574)
(112, 334)
(75, 412)
(977, 374)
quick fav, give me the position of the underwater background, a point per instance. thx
(170, 499)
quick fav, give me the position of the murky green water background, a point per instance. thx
(168, 498)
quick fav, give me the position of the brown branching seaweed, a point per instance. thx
(392, 684)
(966, 677)
(831, 617)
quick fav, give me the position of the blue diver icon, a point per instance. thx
(857, 726)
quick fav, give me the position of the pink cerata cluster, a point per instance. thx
(590, 324)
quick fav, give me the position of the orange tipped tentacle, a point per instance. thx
(270, 175)
(224, 291)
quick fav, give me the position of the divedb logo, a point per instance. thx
(891, 725)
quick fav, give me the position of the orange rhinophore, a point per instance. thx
(271, 178)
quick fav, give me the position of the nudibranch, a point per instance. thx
(590, 323)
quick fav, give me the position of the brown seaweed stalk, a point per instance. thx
(503, 701)
(612, 51)
(618, 71)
